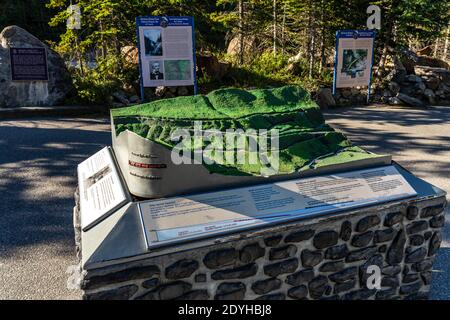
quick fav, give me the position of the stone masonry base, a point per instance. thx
(321, 258)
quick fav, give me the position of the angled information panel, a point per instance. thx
(201, 215)
(101, 188)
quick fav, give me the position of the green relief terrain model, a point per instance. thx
(285, 124)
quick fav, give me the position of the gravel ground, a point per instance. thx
(37, 170)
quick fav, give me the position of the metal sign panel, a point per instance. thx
(203, 215)
(353, 59)
(166, 51)
(28, 64)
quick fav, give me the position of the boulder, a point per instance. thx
(414, 102)
(31, 93)
(211, 66)
(249, 45)
(130, 54)
(325, 98)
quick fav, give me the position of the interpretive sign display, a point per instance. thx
(28, 64)
(354, 58)
(180, 218)
(166, 51)
(101, 188)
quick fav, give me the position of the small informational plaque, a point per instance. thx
(29, 64)
(202, 215)
(101, 188)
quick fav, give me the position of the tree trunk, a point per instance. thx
(312, 31)
(241, 32)
(446, 44)
(274, 27)
(283, 29)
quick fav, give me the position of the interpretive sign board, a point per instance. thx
(102, 190)
(28, 64)
(188, 217)
(166, 51)
(353, 59)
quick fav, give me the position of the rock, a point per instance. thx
(135, 273)
(325, 98)
(336, 252)
(346, 93)
(426, 278)
(416, 240)
(413, 78)
(420, 87)
(344, 286)
(382, 249)
(412, 212)
(151, 283)
(275, 296)
(160, 91)
(390, 282)
(361, 254)
(219, 258)
(363, 239)
(249, 46)
(423, 265)
(299, 236)
(394, 88)
(299, 292)
(367, 222)
(230, 291)
(122, 293)
(410, 277)
(300, 277)
(311, 258)
(173, 290)
(325, 239)
(394, 101)
(130, 54)
(385, 294)
(31, 93)
(318, 286)
(195, 295)
(410, 288)
(432, 83)
(344, 275)
(393, 218)
(414, 102)
(416, 227)
(384, 235)
(427, 235)
(181, 269)
(211, 66)
(282, 252)
(395, 252)
(429, 94)
(346, 230)
(332, 266)
(437, 221)
(431, 211)
(265, 286)
(435, 243)
(282, 267)
(361, 294)
(134, 99)
(273, 241)
(182, 91)
(251, 252)
(416, 255)
(236, 273)
(391, 270)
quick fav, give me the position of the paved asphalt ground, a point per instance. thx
(38, 159)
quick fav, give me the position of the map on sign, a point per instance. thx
(101, 188)
(188, 217)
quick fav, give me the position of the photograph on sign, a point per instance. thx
(166, 51)
(354, 55)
